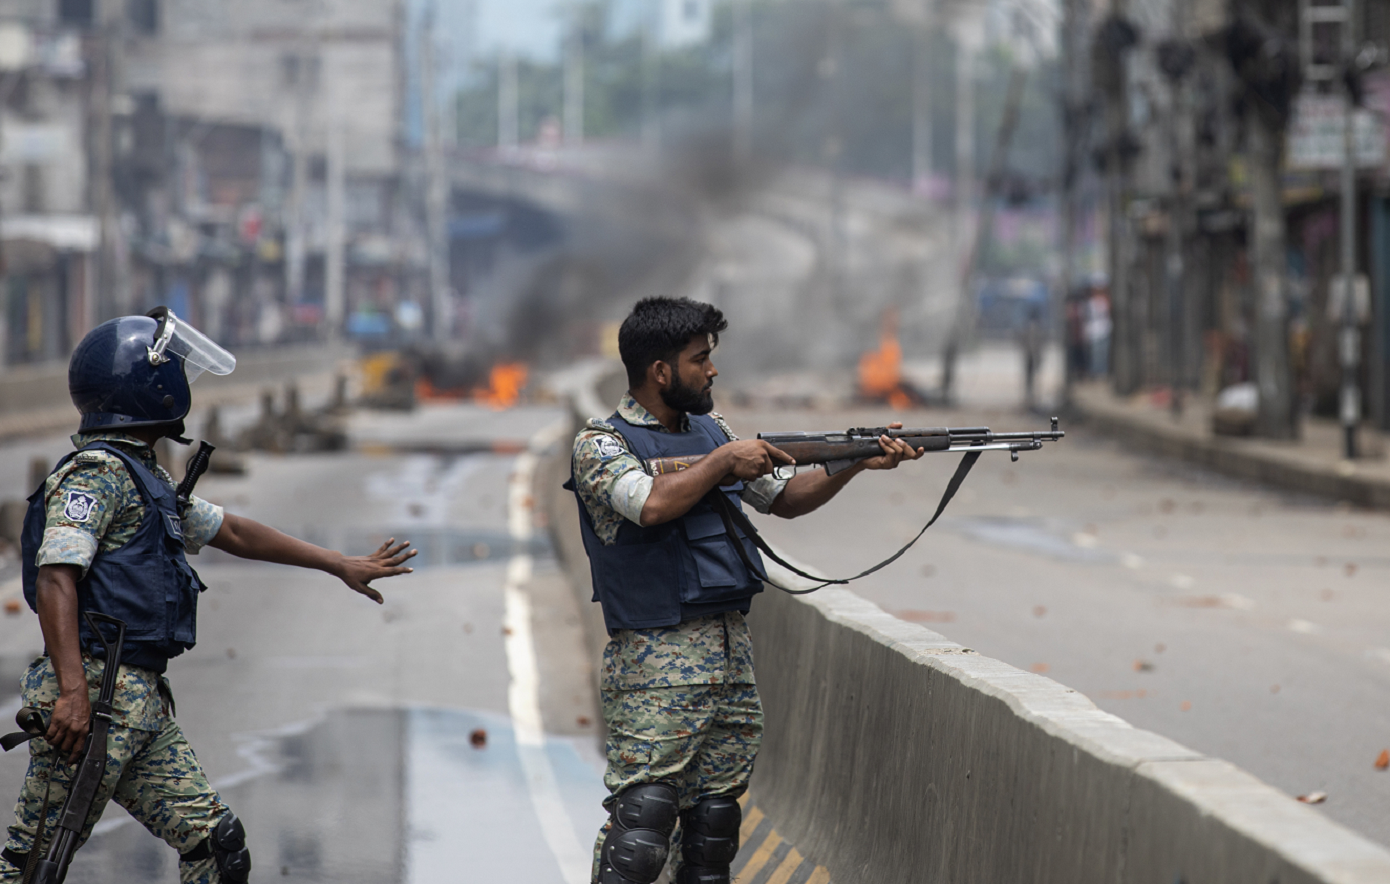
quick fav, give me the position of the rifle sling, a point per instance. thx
(735, 521)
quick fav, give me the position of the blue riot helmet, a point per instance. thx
(134, 371)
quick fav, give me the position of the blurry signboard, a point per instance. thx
(1315, 134)
(16, 46)
(34, 142)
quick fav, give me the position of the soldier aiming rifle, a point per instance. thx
(661, 485)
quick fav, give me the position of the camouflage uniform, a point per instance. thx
(680, 702)
(94, 506)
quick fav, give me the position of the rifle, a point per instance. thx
(53, 867)
(840, 451)
(192, 472)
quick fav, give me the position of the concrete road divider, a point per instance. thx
(893, 754)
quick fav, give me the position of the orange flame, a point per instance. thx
(505, 383)
(880, 371)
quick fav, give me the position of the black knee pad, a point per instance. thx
(709, 841)
(643, 817)
(227, 846)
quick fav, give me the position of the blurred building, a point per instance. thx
(1183, 93)
(684, 22)
(240, 162)
(48, 233)
(282, 126)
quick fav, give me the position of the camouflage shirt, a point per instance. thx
(613, 482)
(93, 505)
(614, 485)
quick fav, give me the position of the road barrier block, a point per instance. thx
(893, 754)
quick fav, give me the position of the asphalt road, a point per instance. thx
(345, 734)
(1243, 622)
(1246, 623)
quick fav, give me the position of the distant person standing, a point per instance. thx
(1098, 329)
(1030, 340)
(1077, 361)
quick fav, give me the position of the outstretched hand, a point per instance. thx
(895, 451)
(388, 561)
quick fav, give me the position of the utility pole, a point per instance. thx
(574, 77)
(651, 75)
(102, 49)
(436, 190)
(306, 77)
(1074, 129)
(743, 82)
(1114, 38)
(832, 154)
(1175, 60)
(335, 246)
(506, 102)
(921, 97)
(1350, 338)
(966, 48)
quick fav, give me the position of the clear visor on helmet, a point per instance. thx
(199, 353)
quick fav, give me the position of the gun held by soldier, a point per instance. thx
(839, 451)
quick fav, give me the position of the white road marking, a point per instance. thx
(523, 694)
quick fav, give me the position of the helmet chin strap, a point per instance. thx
(176, 433)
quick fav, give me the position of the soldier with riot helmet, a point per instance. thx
(105, 534)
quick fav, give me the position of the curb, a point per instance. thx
(1244, 459)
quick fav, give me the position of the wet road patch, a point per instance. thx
(1030, 536)
(368, 796)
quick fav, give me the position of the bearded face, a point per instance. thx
(688, 398)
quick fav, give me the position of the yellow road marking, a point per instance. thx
(819, 876)
(787, 868)
(759, 859)
(750, 825)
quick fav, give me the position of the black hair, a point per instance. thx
(658, 329)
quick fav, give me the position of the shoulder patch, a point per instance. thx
(609, 447)
(80, 506)
(599, 423)
(91, 457)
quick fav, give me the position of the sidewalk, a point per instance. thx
(1312, 464)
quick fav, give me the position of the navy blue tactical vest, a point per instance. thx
(666, 574)
(148, 583)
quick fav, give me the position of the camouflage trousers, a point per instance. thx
(702, 739)
(153, 774)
